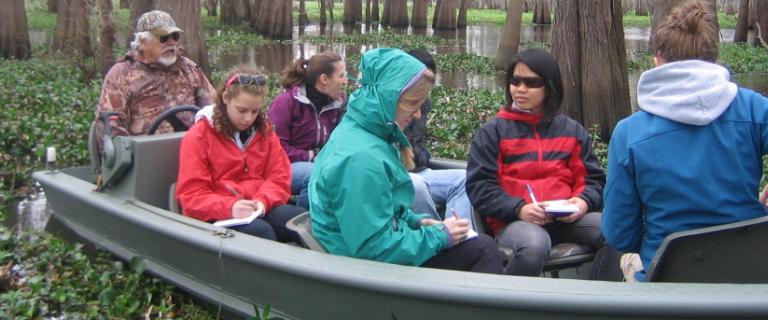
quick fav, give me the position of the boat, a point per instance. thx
(128, 215)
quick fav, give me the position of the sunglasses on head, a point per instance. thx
(174, 35)
(530, 82)
(247, 80)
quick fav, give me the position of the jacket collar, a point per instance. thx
(510, 113)
(300, 94)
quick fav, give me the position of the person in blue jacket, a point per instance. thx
(360, 193)
(692, 156)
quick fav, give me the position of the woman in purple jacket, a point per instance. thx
(306, 112)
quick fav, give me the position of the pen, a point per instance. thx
(233, 191)
(530, 192)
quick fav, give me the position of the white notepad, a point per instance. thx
(239, 221)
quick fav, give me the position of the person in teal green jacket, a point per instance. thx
(360, 193)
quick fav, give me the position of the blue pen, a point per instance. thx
(530, 192)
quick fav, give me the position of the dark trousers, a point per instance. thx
(272, 225)
(476, 255)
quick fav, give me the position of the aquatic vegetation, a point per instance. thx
(234, 39)
(50, 277)
(744, 58)
(45, 105)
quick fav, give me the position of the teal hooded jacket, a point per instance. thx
(360, 194)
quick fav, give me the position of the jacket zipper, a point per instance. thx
(540, 153)
(322, 132)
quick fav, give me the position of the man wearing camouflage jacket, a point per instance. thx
(152, 77)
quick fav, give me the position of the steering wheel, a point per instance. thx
(170, 116)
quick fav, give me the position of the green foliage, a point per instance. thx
(739, 57)
(743, 58)
(41, 19)
(44, 105)
(465, 62)
(455, 115)
(234, 39)
(264, 315)
(54, 278)
(599, 148)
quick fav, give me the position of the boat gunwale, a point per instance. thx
(479, 290)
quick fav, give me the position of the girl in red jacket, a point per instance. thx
(231, 164)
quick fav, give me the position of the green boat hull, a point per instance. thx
(131, 219)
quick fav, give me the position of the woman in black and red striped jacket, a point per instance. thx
(531, 152)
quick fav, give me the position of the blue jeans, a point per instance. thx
(526, 245)
(300, 172)
(445, 187)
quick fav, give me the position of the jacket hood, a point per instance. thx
(385, 72)
(205, 113)
(692, 91)
(300, 94)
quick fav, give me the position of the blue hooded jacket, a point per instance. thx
(692, 157)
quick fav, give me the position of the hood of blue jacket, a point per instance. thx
(691, 91)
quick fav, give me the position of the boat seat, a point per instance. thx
(561, 256)
(729, 253)
(173, 203)
(301, 224)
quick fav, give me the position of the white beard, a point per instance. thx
(167, 61)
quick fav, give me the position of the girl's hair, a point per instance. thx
(544, 65)
(688, 32)
(418, 91)
(230, 88)
(307, 72)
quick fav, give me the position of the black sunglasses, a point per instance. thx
(530, 82)
(174, 35)
(248, 79)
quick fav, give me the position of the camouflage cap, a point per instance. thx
(159, 23)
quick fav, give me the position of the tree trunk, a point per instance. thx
(73, 27)
(14, 31)
(276, 19)
(436, 12)
(596, 90)
(107, 37)
(352, 11)
(253, 21)
(367, 12)
(510, 35)
(375, 11)
(752, 14)
(303, 20)
(386, 12)
(740, 35)
(729, 8)
(446, 19)
(52, 6)
(235, 12)
(463, 8)
(323, 17)
(641, 8)
(189, 18)
(398, 13)
(125, 4)
(761, 23)
(541, 13)
(419, 18)
(212, 6)
(139, 7)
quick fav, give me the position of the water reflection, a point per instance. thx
(477, 39)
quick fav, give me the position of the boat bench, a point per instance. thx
(561, 256)
(729, 253)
